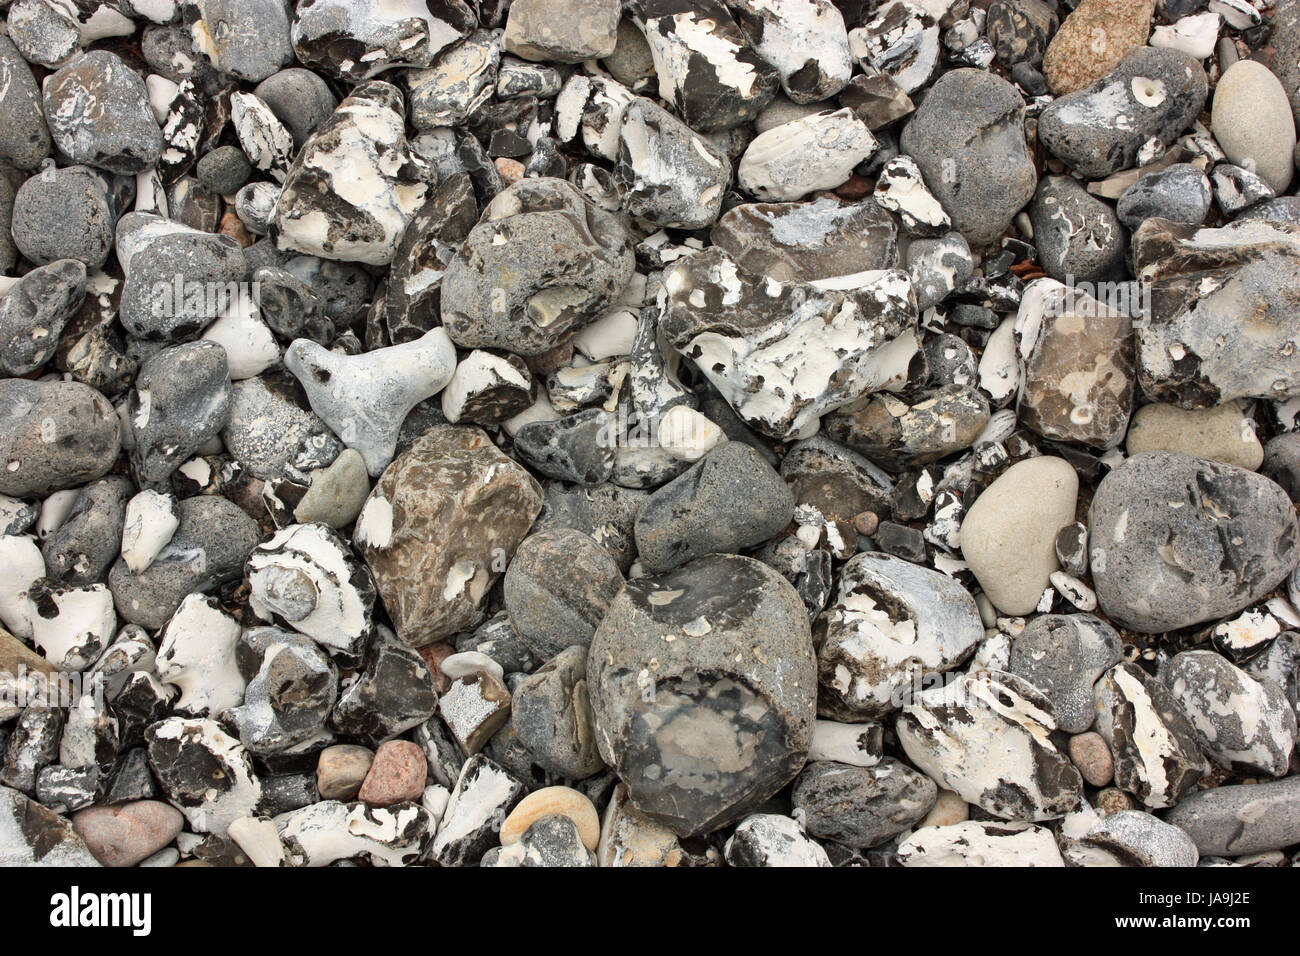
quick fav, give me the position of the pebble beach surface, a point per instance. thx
(650, 433)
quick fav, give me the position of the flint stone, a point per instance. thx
(1177, 540)
(439, 527)
(698, 737)
(1064, 655)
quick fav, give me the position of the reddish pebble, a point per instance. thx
(398, 774)
(511, 170)
(855, 187)
(232, 227)
(127, 833)
(434, 655)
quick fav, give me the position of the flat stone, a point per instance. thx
(127, 833)
(1239, 820)
(1221, 434)
(1093, 39)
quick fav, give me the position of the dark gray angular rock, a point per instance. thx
(88, 542)
(35, 836)
(118, 133)
(33, 745)
(1177, 540)
(292, 686)
(1076, 234)
(839, 483)
(579, 448)
(1241, 820)
(66, 213)
(897, 435)
(1132, 113)
(557, 588)
(391, 695)
(731, 500)
(291, 307)
(862, 807)
(968, 139)
(498, 292)
(24, 136)
(484, 794)
(1179, 193)
(208, 549)
(1237, 189)
(181, 401)
(53, 435)
(205, 773)
(938, 267)
(1157, 758)
(1243, 724)
(1063, 655)
(703, 686)
(552, 717)
(35, 310)
(1019, 30)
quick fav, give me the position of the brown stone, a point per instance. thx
(1079, 368)
(127, 833)
(1092, 41)
(1091, 754)
(340, 771)
(397, 775)
(893, 434)
(434, 654)
(232, 226)
(15, 655)
(439, 527)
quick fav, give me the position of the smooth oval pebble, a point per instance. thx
(1252, 121)
(1009, 535)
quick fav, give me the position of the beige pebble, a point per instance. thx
(548, 800)
(340, 771)
(1091, 754)
(948, 810)
(1113, 800)
(1222, 433)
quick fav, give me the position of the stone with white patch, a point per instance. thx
(669, 175)
(1157, 757)
(266, 141)
(900, 42)
(308, 577)
(487, 389)
(460, 81)
(330, 831)
(862, 807)
(1064, 655)
(196, 653)
(986, 737)
(354, 41)
(291, 690)
(891, 625)
(205, 773)
(783, 353)
(771, 840)
(120, 135)
(484, 795)
(71, 625)
(1242, 723)
(707, 68)
(355, 185)
(857, 745)
(805, 40)
(901, 189)
(813, 153)
(571, 33)
(980, 844)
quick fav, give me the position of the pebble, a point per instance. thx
(768, 839)
(814, 153)
(396, 775)
(121, 136)
(1063, 655)
(1132, 113)
(1221, 434)
(862, 807)
(969, 132)
(548, 801)
(587, 30)
(980, 844)
(1237, 820)
(1157, 757)
(551, 611)
(1093, 39)
(1252, 122)
(66, 213)
(1129, 838)
(759, 695)
(953, 733)
(890, 623)
(126, 834)
(1091, 754)
(54, 435)
(1011, 549)
(1202, 540)
(730, 500)
(1076, 234)
(1241, 723)
(25, 140)
(341, 770)
(353, 42)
